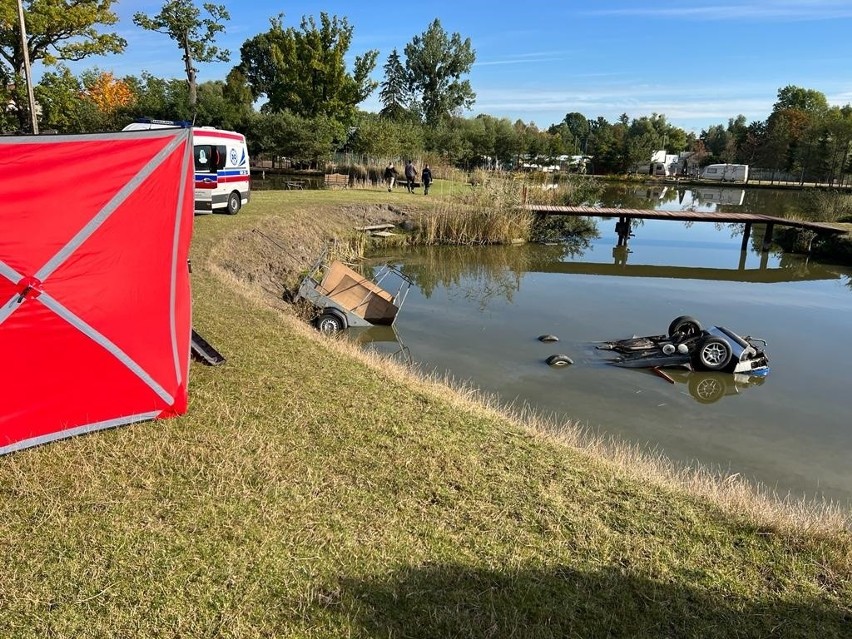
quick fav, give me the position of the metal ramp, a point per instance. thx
(204, 352)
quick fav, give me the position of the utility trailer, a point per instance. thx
(343, 298)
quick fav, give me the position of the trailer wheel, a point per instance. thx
(235, 201)
(713, 354)
(685, 325)
(329, 323)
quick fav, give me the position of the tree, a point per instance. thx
(108, 93)
(644, 136)
(181, 21)
(95, 101)
(494, 139)
(304, 70)
(308, 140)
(238, 99)
(755, 135)
(793, 129)
(435, 64)
(395, 93)
(158, 98)
(602, 146)
(378, 137)
(56, 30)
(807, 100)
(738, 132)
(60, 96)
(215, 109)
(574, 132)
(446, 140)
(716, 141)
(478, 141)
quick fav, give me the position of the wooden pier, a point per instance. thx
(626, 215)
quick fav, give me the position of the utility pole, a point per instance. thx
(26, 52)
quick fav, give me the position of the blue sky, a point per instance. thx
(699, 62)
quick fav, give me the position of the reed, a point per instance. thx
(489, 213)
(829, 206)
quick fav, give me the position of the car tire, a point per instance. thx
(685, 325)
(559, 360)
(712, 354)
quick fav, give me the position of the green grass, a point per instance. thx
(312, 491)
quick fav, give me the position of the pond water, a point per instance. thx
(263, 181)
(476, 313)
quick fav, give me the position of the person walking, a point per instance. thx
(390, 176)
(426, 177)
(410, 174)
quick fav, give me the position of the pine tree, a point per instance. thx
(395, 91)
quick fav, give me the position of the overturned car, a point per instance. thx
(688, 344)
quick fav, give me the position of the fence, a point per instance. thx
(785, 178)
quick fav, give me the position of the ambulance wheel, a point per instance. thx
(234, 203)
(329, 323)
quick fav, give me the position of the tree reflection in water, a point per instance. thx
(480, 273)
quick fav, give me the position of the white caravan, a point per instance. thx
(222, 174)
(725, 173)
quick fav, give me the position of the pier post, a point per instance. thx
(746, 236)
(767, 236)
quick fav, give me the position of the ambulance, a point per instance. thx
(222, 174)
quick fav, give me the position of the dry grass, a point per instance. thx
(829, 206)
(314, 490)
(487, 213)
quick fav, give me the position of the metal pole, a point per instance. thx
(26, 51)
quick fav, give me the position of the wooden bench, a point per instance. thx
(336, 181)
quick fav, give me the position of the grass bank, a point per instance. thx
(312, 491)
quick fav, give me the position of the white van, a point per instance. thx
(222, 174)
(725, 172)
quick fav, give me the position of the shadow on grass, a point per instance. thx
(454, 601)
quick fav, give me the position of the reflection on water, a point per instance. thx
(477, 312)
(778, 202)
(263, 181)
(708, 388)
(381, 339)
(707, 199)
(482, 273)
(476, 273)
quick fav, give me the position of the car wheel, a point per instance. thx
(329, 323)
(685, 325)
(713, 354)
(706, 389)
(234, 203)
(559, 360)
